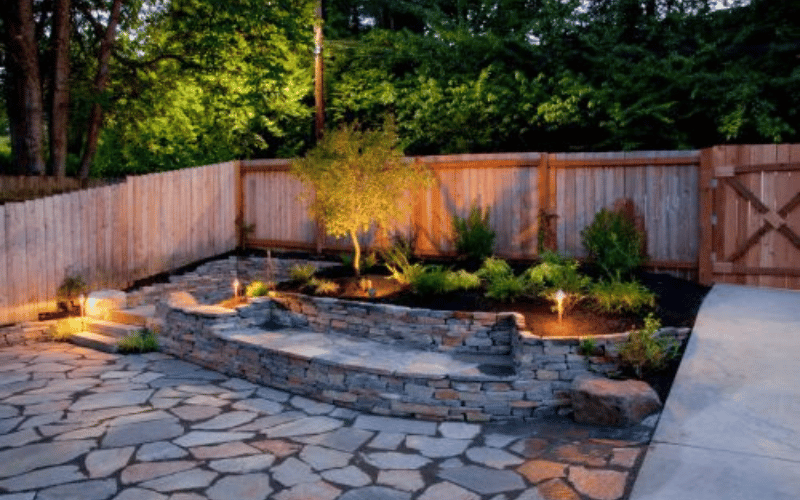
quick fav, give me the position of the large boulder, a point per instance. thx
(619, 403)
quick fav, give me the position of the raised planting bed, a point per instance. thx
(390, 359)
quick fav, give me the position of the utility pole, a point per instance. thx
(319, 76)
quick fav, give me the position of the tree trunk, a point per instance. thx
(356, 254)
(59, 115)
(100, 84)
(319, 72)
(24, 87)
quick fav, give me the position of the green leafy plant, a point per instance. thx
(474, 238)
(621, 296)
(70, 289)
(370, 260)
(302, 273)
(494, 268)
(323, 287)
(257, 289)
(435, 280)
(644, 351)
(614, 244)
(556, 273)
(357, 179)
(506, 288)
(63, 329)
(397, 259)
(588, 347)
(140, 341)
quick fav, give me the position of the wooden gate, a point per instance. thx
(750, 215)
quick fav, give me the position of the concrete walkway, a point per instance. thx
(731, 424)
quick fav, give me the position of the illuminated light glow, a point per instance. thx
(236, 286)
(560, 296)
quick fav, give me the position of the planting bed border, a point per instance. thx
(544, 367)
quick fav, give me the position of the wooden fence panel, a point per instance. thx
(5, 302)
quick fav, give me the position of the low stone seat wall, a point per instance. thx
(293, 344)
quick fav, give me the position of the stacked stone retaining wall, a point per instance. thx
(545, 367)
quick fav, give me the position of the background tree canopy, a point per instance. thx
(198, 81)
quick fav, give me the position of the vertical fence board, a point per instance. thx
(5, 302)
(49, 253)
(16, 259)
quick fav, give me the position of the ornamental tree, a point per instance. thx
(357, 178)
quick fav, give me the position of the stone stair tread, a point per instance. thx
(138, 316)
(377, 357)
(94, 341)
(110, 328)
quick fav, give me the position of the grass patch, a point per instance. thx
(138, 342)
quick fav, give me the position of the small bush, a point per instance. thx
(397, 260)
(62, 330)
(257, 289)
(370, 260)
(557, 273)
(493, 269)
(614, 244)
(506, 288)
(436, 280)
(588, 347)
(644, 352)
(302, 273)
(474, 238)
(621, 297)
(138, 342)
(71, 288)
(324, 287)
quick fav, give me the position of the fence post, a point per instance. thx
(239, 200)
(547, 205)
(705, 228)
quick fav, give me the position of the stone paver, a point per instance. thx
(151, 427)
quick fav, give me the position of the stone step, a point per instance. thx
(110, 328)
(95, 341)
(137, 316)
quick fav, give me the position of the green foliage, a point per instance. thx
(257, 289)
(302, 273)
(397, 259)
(506, 288)
(358, 178)
(621, 297)
(138, 342)
(614, 244)
(501, 284)
(644, 351)
(437, 280)
(588, 347)
(72, 287)
(63, 329)
(557, 273)
(494, 268)
(323, 287)
(474, 238)
(370, 260)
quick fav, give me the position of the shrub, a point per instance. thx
(72, 287)
(493, 269)
(621, 296)
(644, 352)
(140, 341)
(324, 287)
(474, 238)
(257, 289)
(435, 280)
(614, 244)
(358, 178)
(302, 273)
(62, 330)
(397, 259)
(557, 273)
(506, 288)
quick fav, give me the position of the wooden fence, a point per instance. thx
(28, 187)
(113, 235)
(750, 198)
(567, 189)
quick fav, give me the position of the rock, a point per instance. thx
(620, 403)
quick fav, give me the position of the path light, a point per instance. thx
(560, 296)
(236, 286)
(83, 310)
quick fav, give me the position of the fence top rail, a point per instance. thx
(637, 159)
